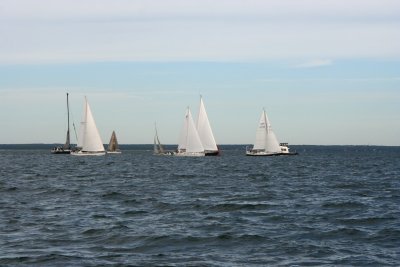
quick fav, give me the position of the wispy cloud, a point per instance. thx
(46, 31)
(315, 63)
(95, 9)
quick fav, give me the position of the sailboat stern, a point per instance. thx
(285, 150)
(212, 152)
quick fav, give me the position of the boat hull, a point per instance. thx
(165, 153)
(114, 152)
(212, 153)
(87, 153)
(189, 154)
(263, 154)
(63, 151)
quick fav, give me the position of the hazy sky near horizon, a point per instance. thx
(327, 72)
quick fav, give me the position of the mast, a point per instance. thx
(68, 113)
(68, 141)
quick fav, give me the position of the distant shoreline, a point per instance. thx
(169, 146)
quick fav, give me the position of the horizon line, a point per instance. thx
(243, 144)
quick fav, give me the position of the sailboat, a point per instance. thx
(205, 133)
(89, 141)
(189, 142)
(66, 148)
(113, 147)
(266, 143)
(158, 147)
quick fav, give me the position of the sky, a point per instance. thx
(327, 72)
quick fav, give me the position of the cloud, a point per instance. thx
(315, 63)
(45, 31)
(89, 9)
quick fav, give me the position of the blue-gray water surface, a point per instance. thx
(328, 206)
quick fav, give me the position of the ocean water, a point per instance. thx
(328, 206)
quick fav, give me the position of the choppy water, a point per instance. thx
(335, 206)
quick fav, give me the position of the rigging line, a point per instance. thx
(76, 136)
(73, 124)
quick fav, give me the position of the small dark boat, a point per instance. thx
(158, 147)
(66, 148)
(113, 147)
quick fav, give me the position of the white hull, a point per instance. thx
(114, 152)
(84, 153)
(190, 154)
(284, 152)
(165, 153)
(266, 143)
(262, 153)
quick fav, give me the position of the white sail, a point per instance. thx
(89, 137)
(155, 149)
(183, 135)
(189, 140)
(81, 134)
(204, 129)
(82, 126)
(265, 137)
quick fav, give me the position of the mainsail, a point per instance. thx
(113, 145)
(89, 137)
(158, 148)
(204, 129)
(82, 126)
(265, 137)
(189, 140)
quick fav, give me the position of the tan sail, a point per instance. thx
(113, 146)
